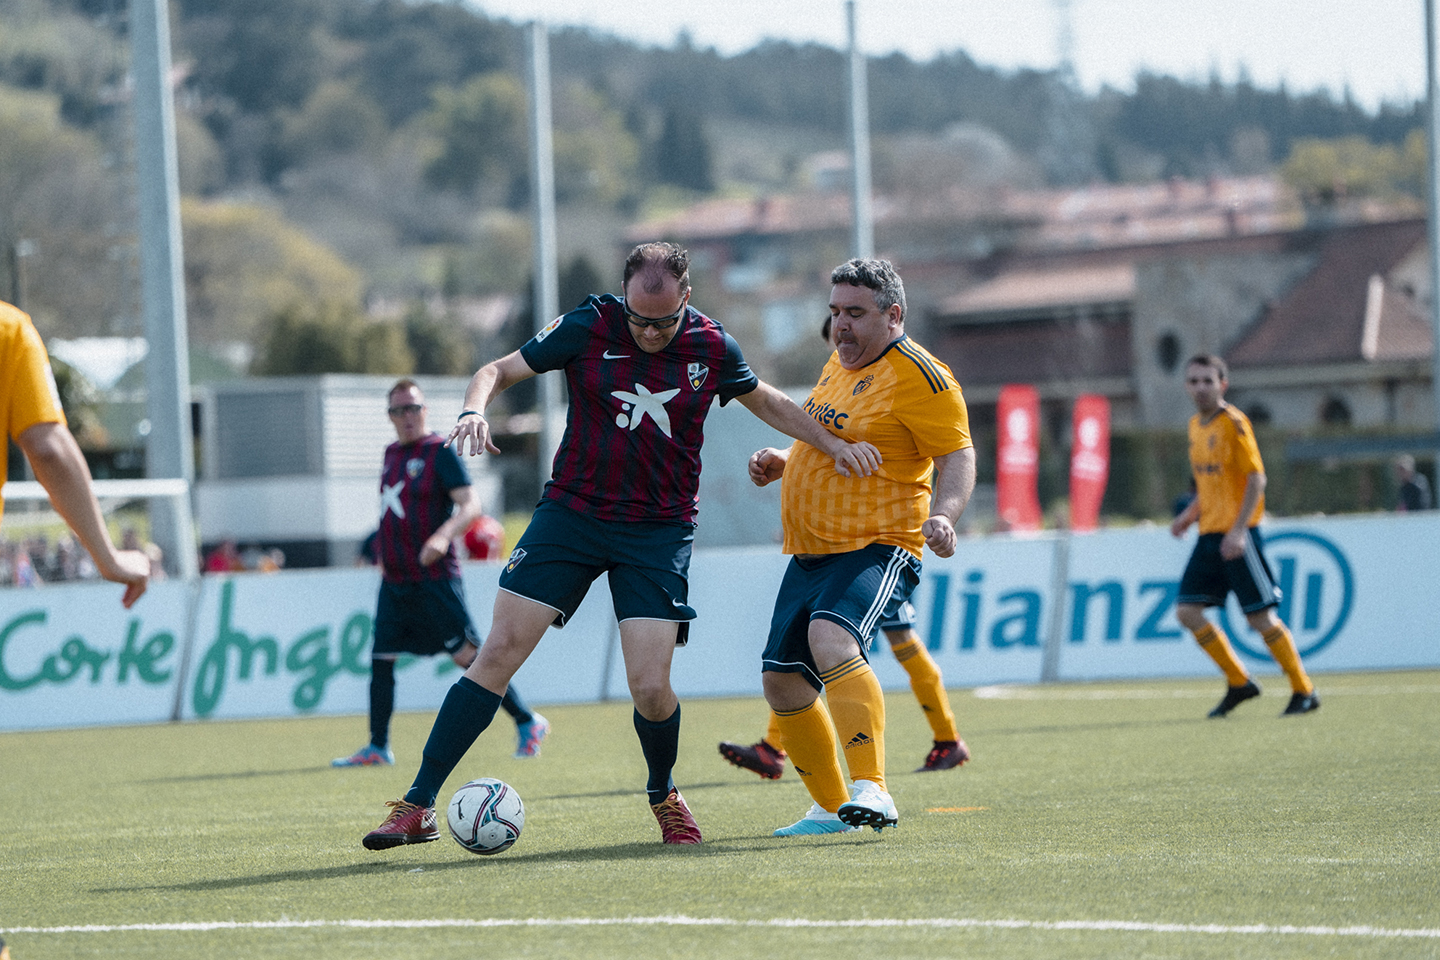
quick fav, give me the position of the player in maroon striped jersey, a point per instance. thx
(644, 371)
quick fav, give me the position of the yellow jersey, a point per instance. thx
(1223, 454)
(909, 406)
(27, 384)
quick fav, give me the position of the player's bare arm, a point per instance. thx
(467, 508)
(1185, 517)
(60, 467)
(954, 483)
(1232, 545)
(779, 411)
(471, 435)
(768, 465)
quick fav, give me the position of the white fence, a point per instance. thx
(1360, 593)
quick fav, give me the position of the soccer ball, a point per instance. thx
(486, 816)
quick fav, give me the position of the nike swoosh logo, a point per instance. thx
(615, 356)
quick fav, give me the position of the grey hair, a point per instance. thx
(879, 276)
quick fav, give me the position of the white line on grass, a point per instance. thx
(1127, 926)
(1005, 692)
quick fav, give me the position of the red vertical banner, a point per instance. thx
(1089, 460)
(1017, 474)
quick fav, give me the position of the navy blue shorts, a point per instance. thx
(899, 614)
(563, 551)
(1209, 577)
(852, 589)
(422, 618)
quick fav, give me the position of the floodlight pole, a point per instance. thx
(547, 283)
(863, 218)
(169, 452)
(1432, 130)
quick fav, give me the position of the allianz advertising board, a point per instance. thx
(1358, 595)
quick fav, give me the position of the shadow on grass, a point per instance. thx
(617, 852)
(1072, 727)
(632, 792)
(234, 775)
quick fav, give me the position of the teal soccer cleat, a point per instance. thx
(818, 820)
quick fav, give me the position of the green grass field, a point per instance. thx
(1095, 821)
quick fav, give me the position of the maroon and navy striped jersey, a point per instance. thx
(631, 449)
(415, 486)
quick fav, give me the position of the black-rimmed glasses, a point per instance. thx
(659, 323)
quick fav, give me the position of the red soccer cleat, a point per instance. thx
(676, 824)
(407, 823)
(945, 755)
(760, 757)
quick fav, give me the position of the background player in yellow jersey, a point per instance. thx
(31, 415)
(856, 545)
(1229, 502)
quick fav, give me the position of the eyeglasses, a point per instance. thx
(660, 323)
(406, 408)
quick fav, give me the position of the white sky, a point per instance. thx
(1377, 47)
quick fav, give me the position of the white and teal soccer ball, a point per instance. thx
(486, 816)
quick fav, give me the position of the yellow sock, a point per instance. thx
(1282, 648)
(927, 685)
(772, 733)
(858, 705)
(808, 735)
(1214, 642)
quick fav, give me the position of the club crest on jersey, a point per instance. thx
(862, 385)
(549, 329)
(413, 467)
(697, 372)
(516, 556)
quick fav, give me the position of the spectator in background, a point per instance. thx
(225, 558)
(1414, 486)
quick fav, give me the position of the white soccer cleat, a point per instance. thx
(818, 820)
(869, 806)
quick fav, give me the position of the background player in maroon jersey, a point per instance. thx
(427, 502)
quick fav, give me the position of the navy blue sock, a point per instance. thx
(660, 742)
(382, 701)
(516, 707)
(466, 712)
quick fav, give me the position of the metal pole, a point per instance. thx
(863, 223)
(168, 447)
(1432, 116)
(19, 250)
(547, 282)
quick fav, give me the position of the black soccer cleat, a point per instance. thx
(1234, 696)
(1301, 703)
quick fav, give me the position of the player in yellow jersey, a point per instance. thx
(31, 416)
(1229, 556)
(767, 758)
(857, 545)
